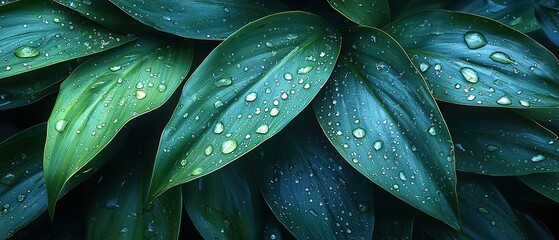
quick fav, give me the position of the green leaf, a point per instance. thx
(548, 17)
(471, 60)
(36, 34)
(402, 8)
(226, 204)
(378, 113)
(545, 183)
(211, 19)
(501, 143)
(311, 190)
(29, 87)
(363, 12)
(120, 210)
(101, 96)
(534, 228)
(542, 114)
(22, 187)
(105, 13)
(243, 93)
(517, 14)
(273, 229)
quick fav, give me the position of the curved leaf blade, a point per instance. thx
(518, 14)
(394, 133)
(37, 34)
(545, 183)
(534, 228)
(226, 204)
(261, 85)
(101, 96)
(471, 60)
(501, 143)
(312, 191)
(211, 19)
(6, 2)
(547, 15)
(363, 12)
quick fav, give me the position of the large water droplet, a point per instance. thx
(402, 176)
(251, 97)
(288, 76)
(60, 125)
(263, 129)
(537, 158)
(424, 67)
(491, 148)
(20, 198)
(209, 150)
(115, 68)
(274, 112)
(524, 103)
(469, 74)
(223, 82)
(218, 128)
(475, 40)
(304, 70)
(197, 172)
(359, 133)
(26, 52)
(501, 57)
(377, 145)
(228, 146)
(140, 94)
(432, 131)
(504, 101)
(161, 88)
(11, 178)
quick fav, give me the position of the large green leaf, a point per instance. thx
(378, 113)
(502, 143)
(243, 93)
(101, 96)
(226, 204)
(36, 34)
(29, 87)
(518, 14)
(364, 12)
(545, 183)
(472, 60)
(105, 13)
(310, 188)
(547, 13)
(210, 19)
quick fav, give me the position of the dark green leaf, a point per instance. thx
(547, 13)
(105, 13)
(311, 190)
(6, 2)
(101, 96)
(378, 113)
(542, 114)
(273, 230)
(36, 34)
(364, 12)
(226, 204)
(210, 19)
(243, 93)
(402, 8)
(476, 61)
(517, 14)
(545, 183)
(29, 87)
(501, 143)
(534, 228)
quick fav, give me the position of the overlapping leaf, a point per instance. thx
(394, 219)
(211, 19)
(518, 14)
(101, 96)
(378, 113)
(311, 190)
(363, 12)
(36, 34)
(243, 93)
(535, 229)
(226, 205)
(545, 183)
(547, 13)
(471, 60)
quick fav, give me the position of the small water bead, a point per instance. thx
(524, 103)
(475, 40)
(501, 57)
(20, 198)
(166, 18)
(223, 82)
(395, 186)
(537, 158)
(292, 36)
(432, 131)
(504, 101)
(139, 85)
(218, 128)
(269, 44)
(313, 212)
(402, 176)
(251, 97)
(197, 172)
(482, 210)
(218, 104)
(119, 80)
(60, 125)
(438, 67)
(423, 67)
(491, 148)
(263, 129)
(274, 112)
(140, 94)
(183, 162)
(161, 88)
(284, 95)
(56, 20)
(115, 68)
(306, 86)
(377, 145)
(209, 150)
(228, 146)
(26, 52)
(471, 97)
(8, 68)
(469, 74)
(304, 70)
(288, 76)
(359, 133)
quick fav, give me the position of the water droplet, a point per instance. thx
(56, 20)
(197, 172)
(424, 67)
(263, 129)
(306, 86)
(469, 74)
(223, 82)
(359, 133)
(140, 94)
(166, 18)
(251, 97)
(288, 76)
(493, 223)
(377, 145)
(313, 212)
(226, 10)
(395, 186)
(524, 103)
(304, 70)
(432, 131)
(115, 68)
(218, 104)
(475, 40)
(209, 150)
(501, 57)
(183, 162)
(537, 158)
(402, 176)
(482, 210)
(471, 97)
(363, 207)
(228, 146)
(8, 68)
(119, 80)
(504, 101)
(26, 52)
(11, 178)
(139, 85)
(218, 128)
(124, 230)
(269, 44)
(274, 112)
(60, 125)
(491, 148)
(161, 88)
(438, 67)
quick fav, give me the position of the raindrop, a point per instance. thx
(469, 74)
(218, 104)
(482, 210)
(424, 67)
(196, 171)
(475, 40)
(263, 129)
(251, 97)
(537, 158)
(504, 101)
(491, 148)
(218, 128)
(432, 131)
(377, 145)
(139, 85)
(363, 207)
(269, 44)
(288, 76)
(183, 162)
(228, 146)
(8, 68)
(524, 103)
(56, 20)
(402, 176)
(226, 10)
(501, 57)
(161, 88)
(140, 94)
(438, 67)
(223, 82)
(359, 133)
(166, 18)
(274, 112)
(313, 212)
(124, 230)
(115, 68)
(209, 150)
(26, 52)
(304, 70)
(10, 178)
(292, 36)
(60, 125)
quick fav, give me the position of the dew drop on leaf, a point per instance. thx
(60, 125)
(251, 97)
(504, 101)
(197, 171)
(229, 146)
(537, 158)
(218, 128)
(26, 52)
(377, 145)
(475, 40)
(263, 129)
(115, 68)
(402, 176)
(140, 94)
(209, 150)
(424, 67)
(304, 70)
(432, 131)
(223, 82)
(501, 57)
(359, 133)
(469, 74)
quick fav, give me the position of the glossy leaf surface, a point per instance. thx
(364, 12)
(547, 13)
(378, 113)
(518, 14)
(471, 60)
(545, 183)
(243, 93)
